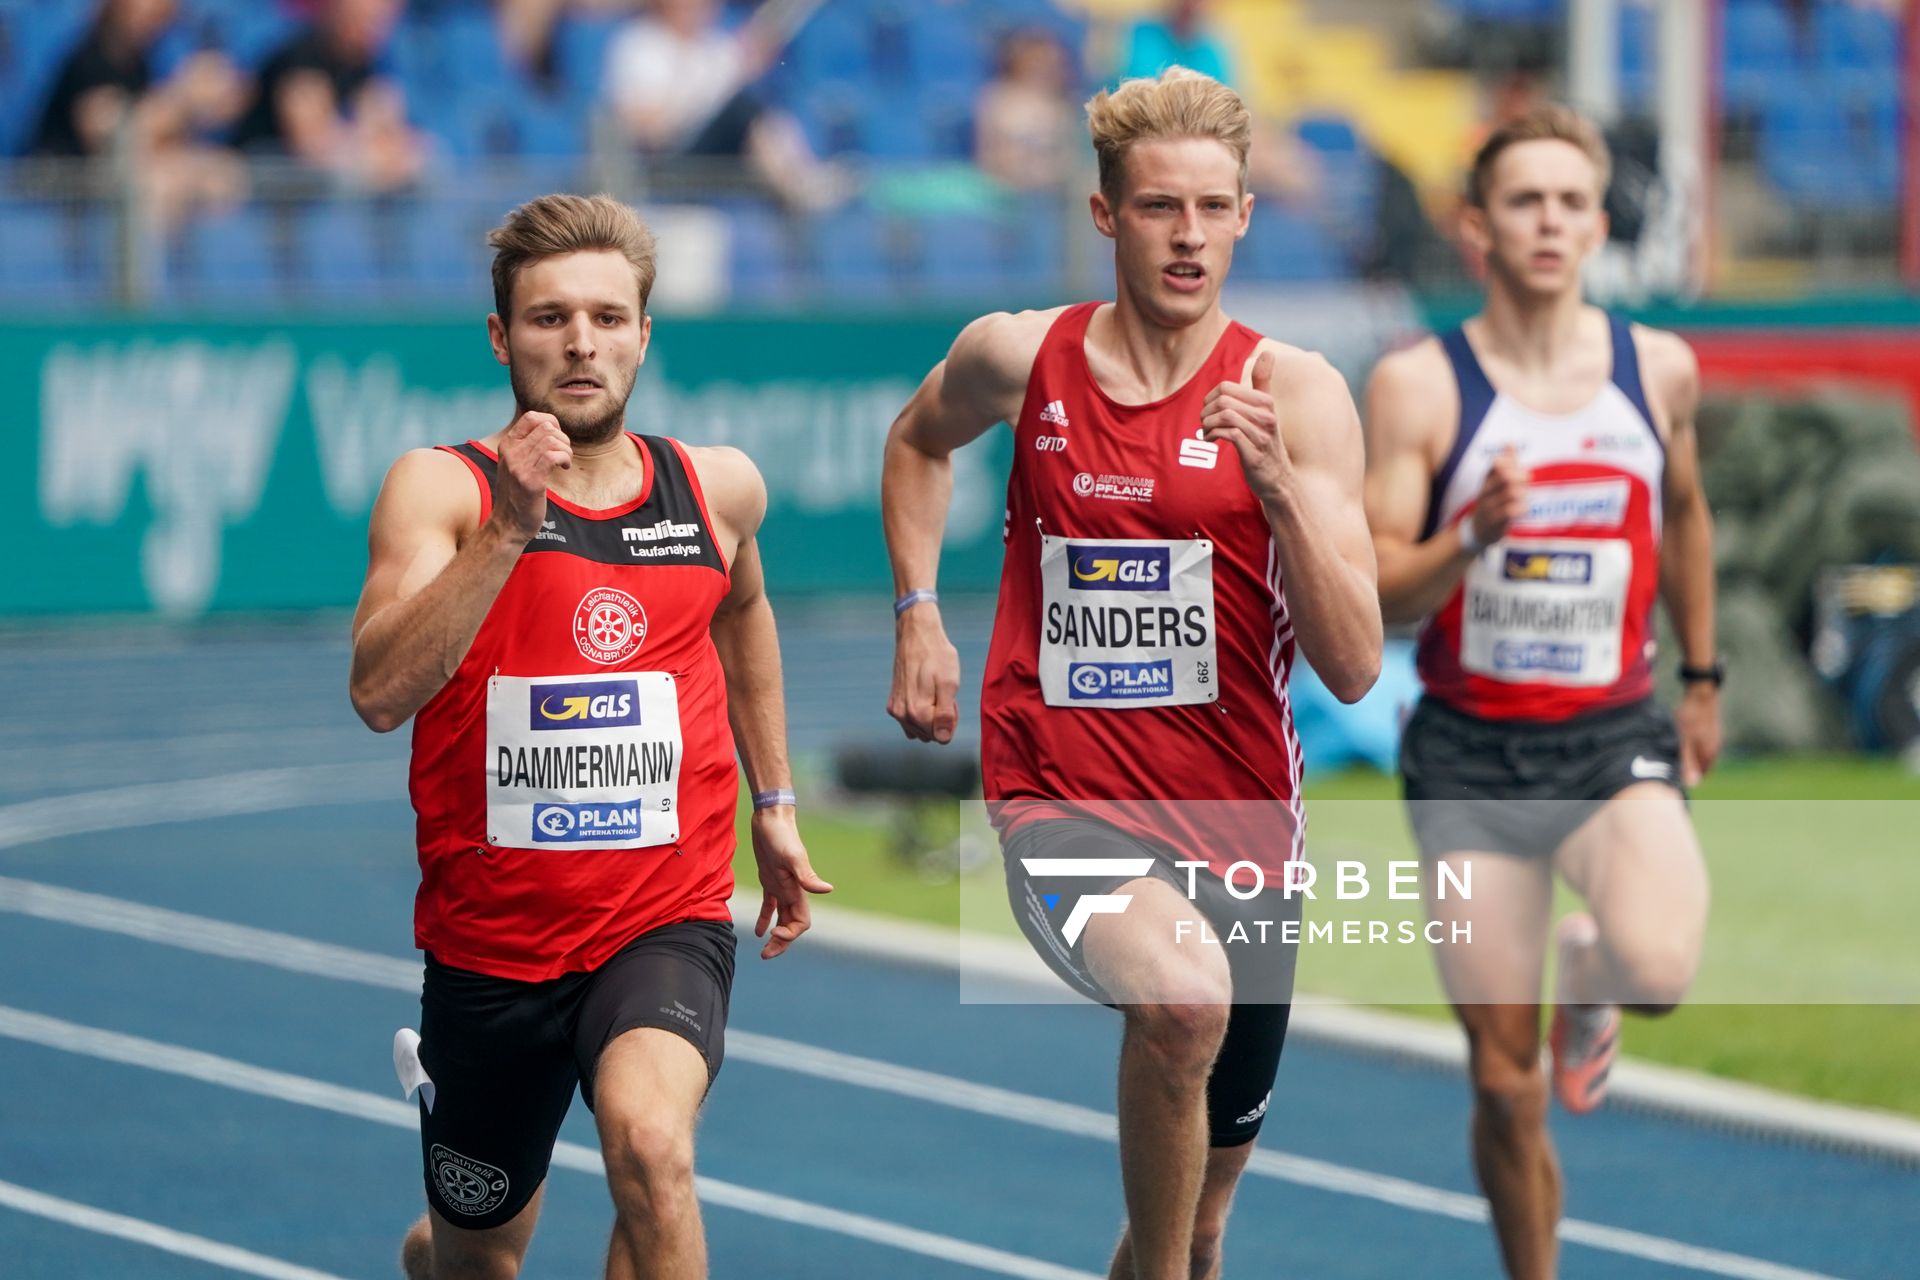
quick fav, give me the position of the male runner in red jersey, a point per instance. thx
(1184, 509)
(575, 618)
(1532, 485)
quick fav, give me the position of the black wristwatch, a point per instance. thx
(1715, 675)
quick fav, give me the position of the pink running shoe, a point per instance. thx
(1584, 1038)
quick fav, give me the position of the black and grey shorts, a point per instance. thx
(505, 1056)
(1521, 788)
(1262, 966)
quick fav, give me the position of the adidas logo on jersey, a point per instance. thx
(1055, 413)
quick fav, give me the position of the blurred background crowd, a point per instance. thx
(264, 151)
(243, 263)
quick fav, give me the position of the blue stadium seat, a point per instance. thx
(1285, 246)
(442, 247)
(1349, 171)
(334, 248)
(37, 42)
(1824, 148)
(1034, 242)
(856, 254)
(1537, 12)
(580, 55)
(1760, 48)
(33, 250)
(225, 257)
(962, 255)
(472, 55)
(1858, 45)
(946, 107)
(831, 115)
(758, 268)
(944, 43)
(1637, 37)
(834, 45)
(886, 132)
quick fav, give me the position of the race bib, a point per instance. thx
(1546, 611)
(583, 762)
(1127, 623)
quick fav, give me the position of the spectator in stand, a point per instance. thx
(682, 86)
(1027, 129)
(323, 102)
(1184, 37)
(527, 31)
(106, 95)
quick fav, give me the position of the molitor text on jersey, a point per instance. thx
(595, 704)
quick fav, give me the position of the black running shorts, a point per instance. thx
(505, 1056)
(1475, 785)
(1262, 967)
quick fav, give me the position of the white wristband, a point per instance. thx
(1470, 543)
(919, 595)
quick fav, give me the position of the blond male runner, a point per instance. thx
(1184, 511)
(1532, 485)
(574, 617)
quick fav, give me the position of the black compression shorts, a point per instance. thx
(504, 1057)
(1241, 1086)
(1488, 786)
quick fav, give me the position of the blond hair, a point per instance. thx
(1549, 123)
(552, 225)
(1177, 103)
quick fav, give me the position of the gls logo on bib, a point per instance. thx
(593, 704)
(1101, 568)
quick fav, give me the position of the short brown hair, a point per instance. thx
(1549, 123)
(557, 224)
(1177, 103)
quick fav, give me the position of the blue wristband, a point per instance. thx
(768, 799)
(919, 595)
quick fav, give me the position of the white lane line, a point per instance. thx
(193, 1064)
(154, 1236)
(1663, 1091)
(193, 799)
(284, 951)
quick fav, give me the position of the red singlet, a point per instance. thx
(1556, 619)
(575, 779)
(1141, 648)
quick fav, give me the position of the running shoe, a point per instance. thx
(1584, 1038)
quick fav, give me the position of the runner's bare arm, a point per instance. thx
(749, 647)
(1410, 398)
(434, 570)
(1686, 544)
(1319, 523)
(981, 382)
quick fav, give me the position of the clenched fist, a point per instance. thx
(533, 446)
(1244, 413)
(1502, 500)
